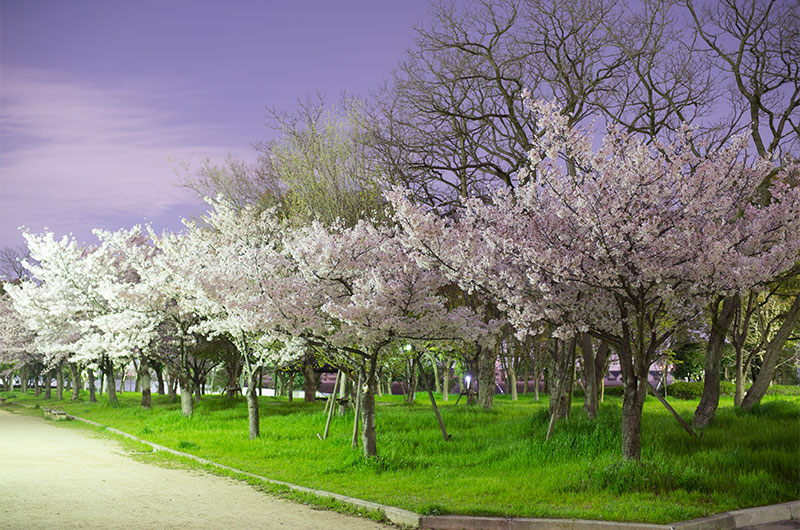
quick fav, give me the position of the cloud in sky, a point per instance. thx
(74, 156)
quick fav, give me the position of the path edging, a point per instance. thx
(721, 521)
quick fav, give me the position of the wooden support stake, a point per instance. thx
(663, 401)
(330, 410)
(438, 416)
(357, 409)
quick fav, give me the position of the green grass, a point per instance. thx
(497, 462)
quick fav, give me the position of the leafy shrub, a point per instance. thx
(694, 389)
(784, 390)
(609, 391)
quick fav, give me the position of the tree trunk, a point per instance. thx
(771, 354)
(487, 360)
(144, 377)
(172, 387)
(345, 389)
(561, 371)
(60, 381)
(512, 382)
(309, 380)
(368, 436)
(159, 370)
(720, 322)
(632, 404)
(446, 380)
(436, 381)
(37, 389)
(76, 381)
(48, 384)
(252, 405)
(187, 404)
(23, 379)
(412, 381)
(90, 377)
(590, 394)
(111, 384)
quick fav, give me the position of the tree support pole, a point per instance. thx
(663, 401)
(358, 410)
(332, 398)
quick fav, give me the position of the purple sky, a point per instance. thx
(102, 102)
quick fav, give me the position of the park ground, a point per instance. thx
(64, 478)
(497, 462)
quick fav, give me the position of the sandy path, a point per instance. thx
(61, 478)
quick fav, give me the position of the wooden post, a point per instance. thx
(330, 411)
(358, 410)
(663, 401)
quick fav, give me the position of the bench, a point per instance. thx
(55, 414)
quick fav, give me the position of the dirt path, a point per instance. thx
(62, 478)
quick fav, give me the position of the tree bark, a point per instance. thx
(771, 354)
(721, 318)
(589, 366)
(512, 382)
(144, 377)
(111, 384)
(487, 360)
(309, 380)
(252, 405)
(60, 381)
(158, 368)
(23, 379)
(446, 380)
(368, 436)
(90, 377)
(187, 403)
(632, 403)
(76, 381)
(48, 384)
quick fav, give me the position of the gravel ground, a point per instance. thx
(62, 478)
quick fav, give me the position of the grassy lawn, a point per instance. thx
(497, 462)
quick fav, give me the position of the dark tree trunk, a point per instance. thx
(23, 379)
(48, 385)
(309, 380)
(770, 360)
(172, 388)
(252, 404)
(111, 384)
(76, 381)
(633, 398)
(368, 436)
(589, 366)
(60, 381)
(487, 360)
(90, 377)
(233, 370)
(144, 377)
(158, 368)
(721, 318)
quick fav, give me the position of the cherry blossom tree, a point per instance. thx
(623, 242)
(17, 341)
(371, 295)
(232, 269)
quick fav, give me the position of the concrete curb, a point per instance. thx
(721, 521)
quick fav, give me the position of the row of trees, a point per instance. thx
(508, 229)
